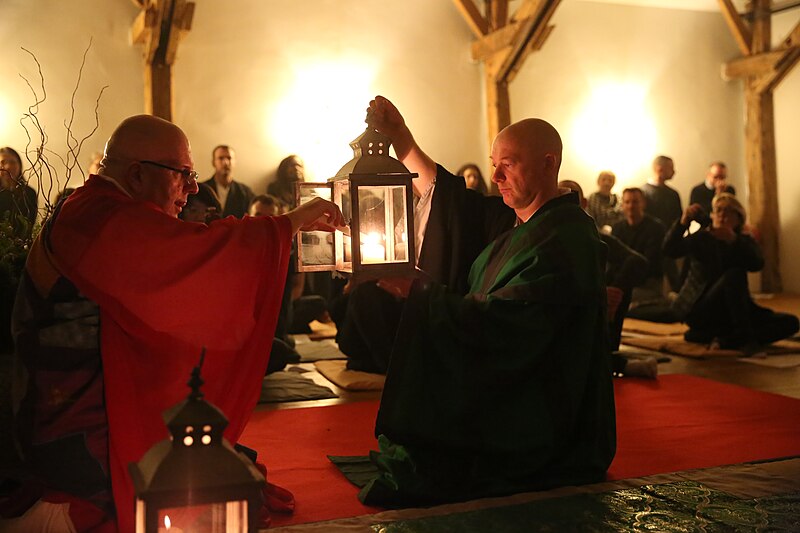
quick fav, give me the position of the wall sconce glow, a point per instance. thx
(321, 114)
(614, 131)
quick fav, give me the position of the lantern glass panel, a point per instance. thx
(344, 250)
(383, 224)
(219, 517)
(316, 247)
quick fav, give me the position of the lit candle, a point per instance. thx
(372, 251)
(168, 527)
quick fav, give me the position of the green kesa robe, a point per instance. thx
(509, 388)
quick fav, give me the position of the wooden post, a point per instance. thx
(762, 181)
(762, 68)
(159, 27)
(503, 45)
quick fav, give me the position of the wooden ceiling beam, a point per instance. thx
(472, 15)
(489, 45)
(739, 28)
(526, 9)
(761, 13)
(784, 66)
(181, 24)
(532, 26)
(498, 13)
(142, 24)
(793, 38)
(752, 65)
(534, 46)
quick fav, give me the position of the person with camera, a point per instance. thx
(714, 300)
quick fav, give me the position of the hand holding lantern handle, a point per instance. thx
(383, 116)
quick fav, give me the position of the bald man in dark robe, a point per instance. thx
(508, 388)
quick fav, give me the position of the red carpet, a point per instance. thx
(675, 423)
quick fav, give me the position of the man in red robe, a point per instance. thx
(117, 301)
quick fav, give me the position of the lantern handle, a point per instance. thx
(195, 381)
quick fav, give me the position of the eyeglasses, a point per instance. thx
(189, 175)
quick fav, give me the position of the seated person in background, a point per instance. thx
(317, 290)
(644, 234)
(714, 301)
(625, 268)
(202, 207)
(714, 184)
(18, 202)
(234, 196)
(290, 171)
(473, 178)
(664, 204)
(604, 205)
(508, 388)
(283, 351)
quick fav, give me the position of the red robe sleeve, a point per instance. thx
(166, 288)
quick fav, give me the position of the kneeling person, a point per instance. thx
(508, 388)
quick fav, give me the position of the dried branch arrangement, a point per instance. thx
(42, 175)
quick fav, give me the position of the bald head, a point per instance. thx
(145, 137)
(527, 156)
(538, 136)
(150, 158)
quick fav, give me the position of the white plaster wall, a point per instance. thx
(698, 115)
(237, 70)
(241, 72)
(58, 32)
(787, 136)
(675, 55)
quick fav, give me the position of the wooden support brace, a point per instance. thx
(533, 25)
(741, 32)
(752, 65)
(526, 9)
(494, 42)
(498, 13)
(181, 24)
(536, 44)
(793, 39)
(476, 22)
(784, 66)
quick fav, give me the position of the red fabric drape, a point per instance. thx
(167, 288)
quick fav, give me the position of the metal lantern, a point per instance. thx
(374, 192)
(195, 481)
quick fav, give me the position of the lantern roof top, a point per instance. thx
(194, 410)
(371, 156)
(189, 459)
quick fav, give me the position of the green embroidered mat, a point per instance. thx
(679, 506)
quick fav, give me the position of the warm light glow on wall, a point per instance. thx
(5, 121)
(321, 113)
(614, 131)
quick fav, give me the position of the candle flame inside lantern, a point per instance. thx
(372, 251)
